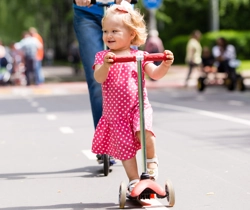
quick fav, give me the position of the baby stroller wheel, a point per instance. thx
(201, 83)
(230, 84)
(240, 84)
(170, 192)
(122, 195)
(106, 164)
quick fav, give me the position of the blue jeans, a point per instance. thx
(88, 31)
(38, 73)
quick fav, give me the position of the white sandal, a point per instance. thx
(153, 172)
(131, 186)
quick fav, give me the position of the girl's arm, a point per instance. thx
(101, 71)
(157, 72)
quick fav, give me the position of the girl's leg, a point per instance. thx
(150, 148)
(131, 168)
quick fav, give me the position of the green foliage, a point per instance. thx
(178, 46)
(175, 20)
(240, 39)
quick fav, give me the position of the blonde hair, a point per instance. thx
(132, 19)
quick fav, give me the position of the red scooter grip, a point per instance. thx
(155, 57)
(146, 57)
(123, 59)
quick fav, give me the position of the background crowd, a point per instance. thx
(21, 62)
(220, 58)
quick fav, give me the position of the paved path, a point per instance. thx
(61, 80)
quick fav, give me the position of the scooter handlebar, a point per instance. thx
(146, 57)
(123, 59)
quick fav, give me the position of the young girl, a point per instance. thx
(118, 131)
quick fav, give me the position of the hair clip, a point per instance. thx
(122, 9)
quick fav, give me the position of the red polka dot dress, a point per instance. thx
(115, 132)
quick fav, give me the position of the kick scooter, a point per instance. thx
(146, 188)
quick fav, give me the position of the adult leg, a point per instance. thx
(28, 69)
(39, 78)
(89, 34)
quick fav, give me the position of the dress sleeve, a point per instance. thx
(99, 58)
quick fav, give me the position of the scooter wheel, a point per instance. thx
(170, 192)
(122, 195)
(106, 165)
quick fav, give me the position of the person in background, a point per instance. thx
(88, 29)
(39, 77)
(29, 46)
(208, 61)
(74, 56)
(225, 56)
(193, 53)
(154, 44)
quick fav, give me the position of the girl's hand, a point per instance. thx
(108, 59)
(170, 58)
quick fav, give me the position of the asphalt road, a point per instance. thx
(203, 145)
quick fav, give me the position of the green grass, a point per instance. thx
(245, 65)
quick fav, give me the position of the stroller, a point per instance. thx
(5, 70)
(219, 73)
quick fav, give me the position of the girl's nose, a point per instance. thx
(109, 35)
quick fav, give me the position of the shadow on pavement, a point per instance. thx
(73, 206)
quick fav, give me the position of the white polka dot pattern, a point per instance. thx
(115, 132)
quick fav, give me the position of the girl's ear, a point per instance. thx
(133, 34)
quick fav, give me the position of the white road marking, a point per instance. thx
(89, 154)
(202, 112)
(41, 110)
(66, 130)
(51, 117)
(34, 104)
(236, 103)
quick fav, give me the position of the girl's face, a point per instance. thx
(116, 35)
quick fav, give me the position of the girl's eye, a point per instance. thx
(104, 32)
(114, 31)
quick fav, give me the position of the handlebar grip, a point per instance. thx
(146, 57)
(155, 57)
(123, 59)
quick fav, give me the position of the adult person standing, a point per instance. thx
(87, 23)
(88, 30)
(193, 53)
(39, 77)
(29, 46)
(225, 56)
(154, 44)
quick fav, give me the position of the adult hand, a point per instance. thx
(119, 1)
(83, 3)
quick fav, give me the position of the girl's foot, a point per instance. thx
(131, 186)
(152, 168)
